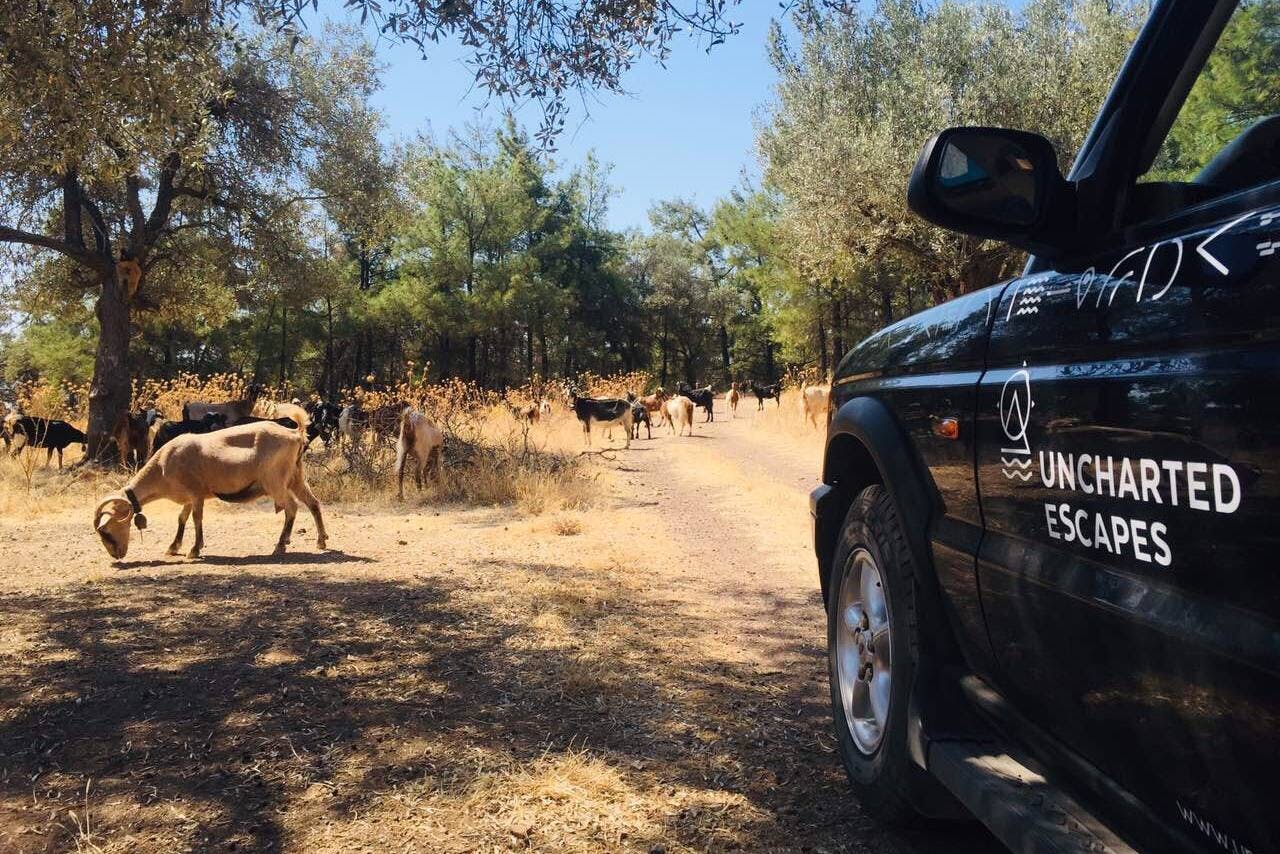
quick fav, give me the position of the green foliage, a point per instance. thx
(1239, 85)
(56, 348)
(860, 91)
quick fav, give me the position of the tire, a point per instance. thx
(872, 678)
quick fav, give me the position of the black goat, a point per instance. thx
(324, 420)
(764, 392)
(639, 415)
(50, 433)
(253, 419)
(609, 411)
(170, 430)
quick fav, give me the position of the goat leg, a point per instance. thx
(290, 513)
(197, 516)
(307, 497)
(176, 545)
(400, 455)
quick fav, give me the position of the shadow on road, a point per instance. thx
(243, 712)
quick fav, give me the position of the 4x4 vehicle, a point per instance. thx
(1048, 529)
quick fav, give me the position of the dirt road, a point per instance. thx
(647, 675)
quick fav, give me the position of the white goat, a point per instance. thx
(421, 439)
(679, 413)
(236, 464)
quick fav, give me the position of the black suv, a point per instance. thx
(1049, 515)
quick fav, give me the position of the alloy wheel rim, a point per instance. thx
(863, 651)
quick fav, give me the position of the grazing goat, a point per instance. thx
(49, 433)
(233, 410)
(132, 435)
(236, 464)
(421, 439)
(764, 392)
(608, 411)
(733, 397)
(816, 399)
(274, 411)
(679, 411)
(703, 398)
(170, 430)
(322, 420)
(354, 419)
(544, 407)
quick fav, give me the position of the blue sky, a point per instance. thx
(687, 130)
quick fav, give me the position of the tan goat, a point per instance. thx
(679, 414)
(816, 398)
(236, 464)
(275, 409)
(733, 396)
(421, 439)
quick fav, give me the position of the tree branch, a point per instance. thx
(165, 192)
(76, 253)
(101, 234)
(134, 202)
(72, 228)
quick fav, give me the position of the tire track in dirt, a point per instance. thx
(733, 499)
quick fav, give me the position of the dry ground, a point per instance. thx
(644, 675)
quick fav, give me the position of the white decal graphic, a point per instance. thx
(1267, 247)
(1204, 252)
(1015, 416)
(1086, 282)
(1116, 286)
(1267, 218)
(1177, 265)
(1028, 300)
(1225, 840)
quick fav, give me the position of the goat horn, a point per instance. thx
(109, 507)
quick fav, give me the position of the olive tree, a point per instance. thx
(126, 122)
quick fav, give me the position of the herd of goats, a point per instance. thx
(245, 449)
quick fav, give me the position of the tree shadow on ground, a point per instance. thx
(254, 712)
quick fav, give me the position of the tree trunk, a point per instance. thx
(326, 388)
(724, 351)
(110, 390)
(822, 343)
(666, 357)
(284, 343)
(837, 330)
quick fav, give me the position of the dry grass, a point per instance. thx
(451, 677)
(492, 457)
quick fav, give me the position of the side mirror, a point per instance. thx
(992, 182)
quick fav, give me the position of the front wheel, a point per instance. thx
(873, 641)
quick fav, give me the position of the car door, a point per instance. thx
(1128, 429)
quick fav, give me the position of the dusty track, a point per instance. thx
(647, 676)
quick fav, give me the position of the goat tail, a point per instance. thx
(406, 427)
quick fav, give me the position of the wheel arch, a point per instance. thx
(866, 445)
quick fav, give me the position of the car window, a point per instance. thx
(1226, 136)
